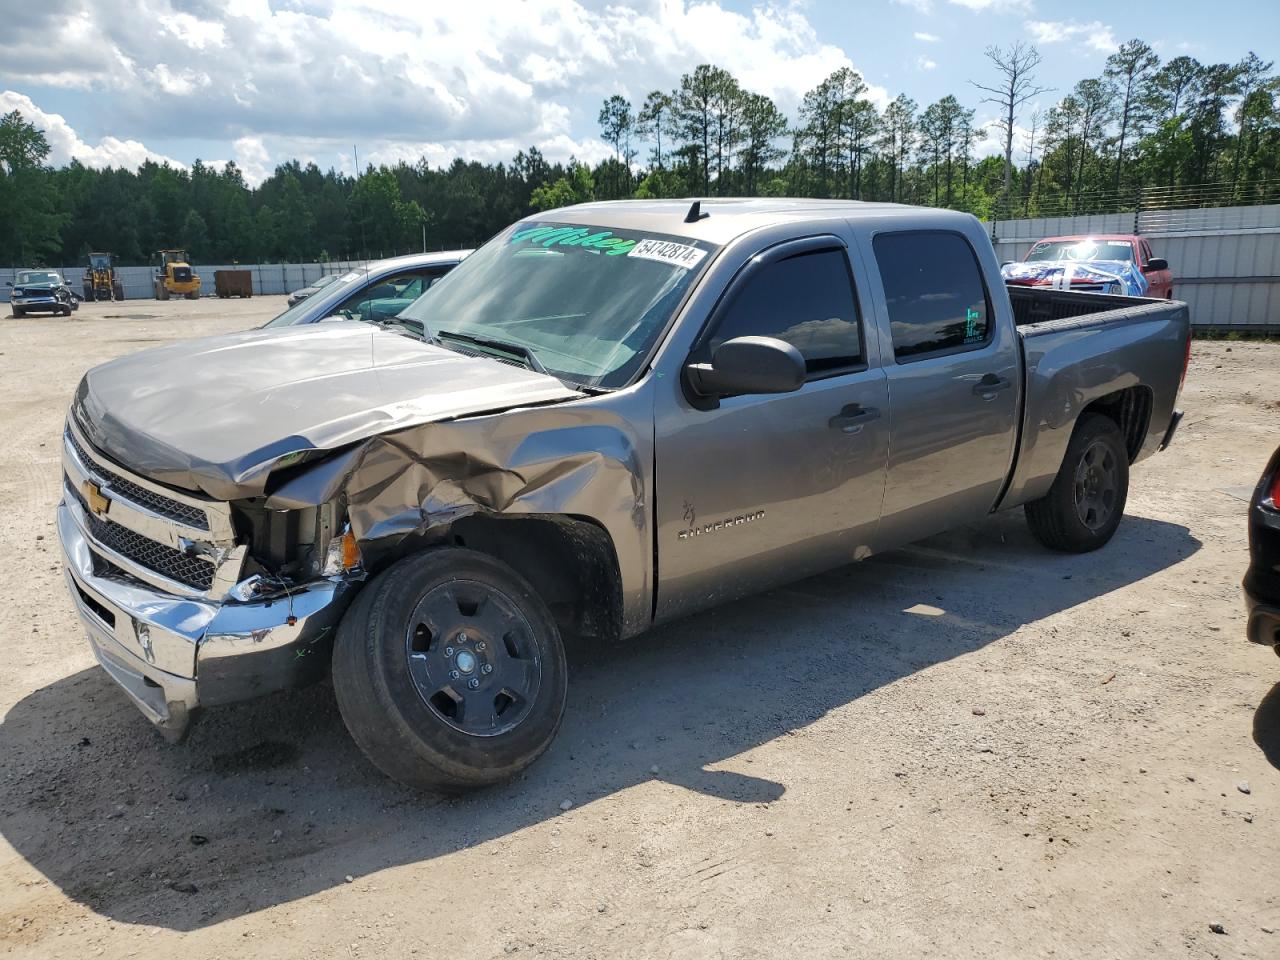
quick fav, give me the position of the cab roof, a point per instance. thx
(726, 218)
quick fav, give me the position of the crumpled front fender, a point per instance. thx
(580, 461)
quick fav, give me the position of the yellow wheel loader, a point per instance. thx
(175, 278)
(100, 281)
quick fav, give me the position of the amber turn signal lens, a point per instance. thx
(350, 552)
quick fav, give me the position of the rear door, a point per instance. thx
(753, 491)
(954, 382)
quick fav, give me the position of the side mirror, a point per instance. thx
(8, 283)
(748, 365)
(1156, 263)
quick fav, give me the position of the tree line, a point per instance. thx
(1141, 125)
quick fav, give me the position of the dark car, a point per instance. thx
(41, 291)
(1262, 582)
(303, 292)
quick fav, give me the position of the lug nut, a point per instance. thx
(479, 644)
(454, 675)
(462, 638)
(487, 668)
(448, 651)
(473, 683)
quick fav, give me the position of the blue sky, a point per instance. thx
(260, 81)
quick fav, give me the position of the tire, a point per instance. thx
(409, 649)
(193, 296)
(19, 312)
(1086, 502)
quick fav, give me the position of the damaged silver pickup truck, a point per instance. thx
(609, 416)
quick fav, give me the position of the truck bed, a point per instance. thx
(1036, 305)
(1080, 349)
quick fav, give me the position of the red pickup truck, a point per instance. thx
(1110, 246)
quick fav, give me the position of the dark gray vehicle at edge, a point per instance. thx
(609, 416)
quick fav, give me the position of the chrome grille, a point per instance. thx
(155, 502)
(192, 571)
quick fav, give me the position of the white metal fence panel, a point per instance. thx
(268, 278)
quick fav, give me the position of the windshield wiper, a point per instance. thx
(518, 350)
(407, 323)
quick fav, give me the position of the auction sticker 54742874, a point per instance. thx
(665, 251)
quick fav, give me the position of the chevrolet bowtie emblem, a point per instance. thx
(93, 496)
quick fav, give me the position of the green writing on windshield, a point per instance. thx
(603, 240)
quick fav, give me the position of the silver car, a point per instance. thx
(379, 290)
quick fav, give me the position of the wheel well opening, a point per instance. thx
(1130, 408)
(570, 562)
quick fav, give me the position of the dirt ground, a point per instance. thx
(1080, 757)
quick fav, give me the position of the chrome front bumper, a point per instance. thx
(174, 654)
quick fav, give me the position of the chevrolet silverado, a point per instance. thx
(609, 416)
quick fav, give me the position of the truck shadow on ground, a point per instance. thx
(270, 801)
(1266, 726)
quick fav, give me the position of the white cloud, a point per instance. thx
(927, 37)
(983, 5)
(924, 63)
(65, 144)
(196, 34)
(926, 6)
(253, 159)
(471, 80)
(1095, 35)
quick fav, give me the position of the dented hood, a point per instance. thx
(215, 415)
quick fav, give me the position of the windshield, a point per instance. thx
(1087, 249)
(38, 276)
(586, 302)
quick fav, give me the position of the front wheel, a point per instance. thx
(450, 672)
(1086, 502)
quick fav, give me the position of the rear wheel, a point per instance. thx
(450, 672)
(1086, 502)
(193, 295)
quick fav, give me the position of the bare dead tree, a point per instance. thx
(1016, 65)
(1031, 163)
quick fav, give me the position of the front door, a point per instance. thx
(954, 383)
(758, 490)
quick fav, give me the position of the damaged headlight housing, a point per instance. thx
(342, 555)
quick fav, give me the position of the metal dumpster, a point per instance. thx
(233, 283)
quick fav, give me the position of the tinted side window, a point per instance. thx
(806, 300)
(934, 292)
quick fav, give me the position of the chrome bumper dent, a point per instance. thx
(174, 654)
